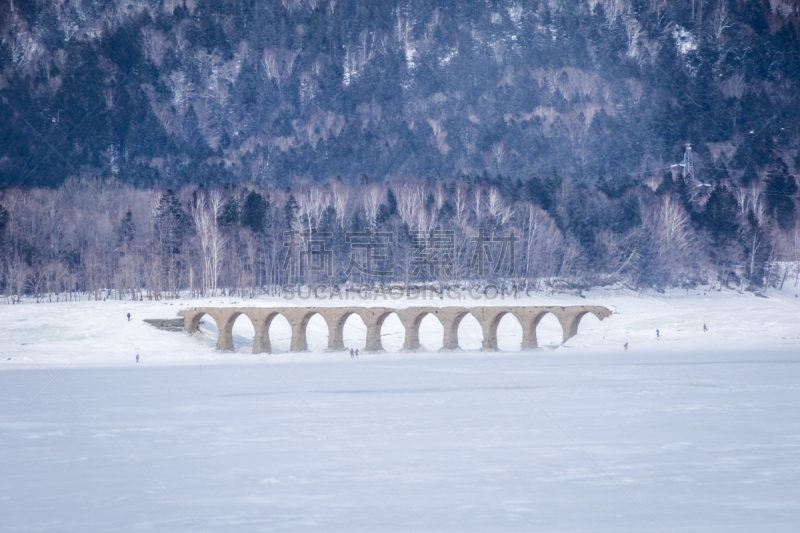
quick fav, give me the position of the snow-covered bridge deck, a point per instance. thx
(411, 317)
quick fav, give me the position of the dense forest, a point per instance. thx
(160, 146)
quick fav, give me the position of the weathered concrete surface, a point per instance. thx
(373, 317)
(168, 324)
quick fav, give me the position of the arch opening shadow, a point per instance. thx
(470, 333)
(509, 334)
(431, 333)
(549, 333)
(590, 329)
(280, 334)
(393, 334)
(208, 328)
(243, 333)
(354, 333)
(317, 333)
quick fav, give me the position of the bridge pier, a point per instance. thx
(336, 319)
(374, 322)
(373, 317)
(298, 318)
(411, 321)
(225, 325)
(261, 323)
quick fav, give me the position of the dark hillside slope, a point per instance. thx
(292, 91)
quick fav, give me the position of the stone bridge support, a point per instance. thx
(449, 317)
(221, 315)
(411, 317)
(529, 317)
(262, 320)
(571, 317)
(225, 317)
(374, 318)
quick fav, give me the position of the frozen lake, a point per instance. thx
(554, 441)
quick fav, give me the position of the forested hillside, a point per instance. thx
(578, 112)
(272, 93)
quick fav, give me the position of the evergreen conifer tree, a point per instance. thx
(779, 190)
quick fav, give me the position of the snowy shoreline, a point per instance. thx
(98, 334)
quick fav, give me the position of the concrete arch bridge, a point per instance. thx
(411, 317)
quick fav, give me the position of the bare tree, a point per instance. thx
(217, 241)
(205, 214)
(340, 201)
(545, 255)
(720, 21)
(795, 247)
(671, 233)
(371, 200)
(155, 44)
(278, 64)
(496, 207)
(477, 205)
(410, 198)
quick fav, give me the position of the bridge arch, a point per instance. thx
(509, 332)
(262, 321)
(450, 323)
(199, 323)
(549, 329)
(375, 335)
(527, 317)
(223, 320)
(571, 324)
(354, 332)
(276, 334)
(470, 333)
(489, 318)
(427, 328)
(192, 322)
(337, 320)
(240, 329)
(411, 318)
(299, 318)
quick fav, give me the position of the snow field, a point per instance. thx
(473, 442)
(691, 431)
(90, 333)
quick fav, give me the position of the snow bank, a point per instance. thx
(91, 333)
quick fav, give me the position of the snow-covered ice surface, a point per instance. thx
(690, 431)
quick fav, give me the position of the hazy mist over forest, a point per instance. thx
(124, 123)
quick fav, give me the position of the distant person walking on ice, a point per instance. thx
(658, 334)
(129, 317)
(351, 353)
(356, 353)
(704, 328)
(626, 346)
(137, 357)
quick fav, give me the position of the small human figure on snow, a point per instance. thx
(137, 357)
(351, 353)
(658, 334)
(626, 346)
(356, 353)
(705, 328)
(129, 317)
